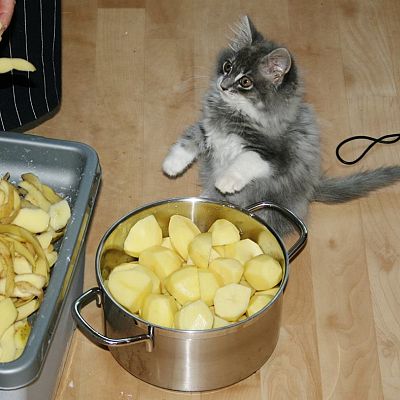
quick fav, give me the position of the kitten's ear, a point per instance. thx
(275, 65)
(245, 34)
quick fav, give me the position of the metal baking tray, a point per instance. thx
(73, 170)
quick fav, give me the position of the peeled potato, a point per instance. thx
(161, 260)
(263, 272)
(45, 239)
(143, 234)
(220, 250)
(258, 302)
(243, 250)
(245, 283)
(166, 242)
(181, 232)
(220, 322)
(231, 301)
(224, 232)
(7, 64)
(156, 287)
(159, 309)
(34, 220)
(129, 287)
(207, 280)
(208, 286)
(228, 270)
(269, 245)
(199, 250)
(184, 285)
(194, 316)
(60, 213)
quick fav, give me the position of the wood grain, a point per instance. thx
(134, 73)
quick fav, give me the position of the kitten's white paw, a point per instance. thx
(231, 182)
(177, 160)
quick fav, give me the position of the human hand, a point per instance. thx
(6, 13)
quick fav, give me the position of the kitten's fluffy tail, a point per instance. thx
(342, 189)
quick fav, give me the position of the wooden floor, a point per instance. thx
(134, 72)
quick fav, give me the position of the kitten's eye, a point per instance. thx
(245, 82)
(227, 67)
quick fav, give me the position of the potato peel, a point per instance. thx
(24, 260)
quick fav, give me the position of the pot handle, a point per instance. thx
(97, 337)
(299, 224)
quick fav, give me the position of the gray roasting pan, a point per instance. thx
(73, 170)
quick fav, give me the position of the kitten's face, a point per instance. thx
(253, 74)
(239, 82)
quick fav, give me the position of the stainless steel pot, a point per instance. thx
(178, 359)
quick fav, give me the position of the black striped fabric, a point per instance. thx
(34, 34)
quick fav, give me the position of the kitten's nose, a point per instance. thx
(225, 84)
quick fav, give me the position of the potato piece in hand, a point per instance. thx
(263, 272)
(181, 232)
(8, 314)
(270, 245)
(224, 232)
(228, 270)
(161, 260)
(184, 285)
(34, 220)
(159, 309)
(208, 286)
(243, 250)
(129, 287)
(8, 64)
(194, 316)
(258, 302)
(143, 234)
(199, 250)
(231, 301)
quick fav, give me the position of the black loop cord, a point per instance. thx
(386, 139)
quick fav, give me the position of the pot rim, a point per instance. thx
(195, 333)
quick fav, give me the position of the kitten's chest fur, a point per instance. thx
(222, 146)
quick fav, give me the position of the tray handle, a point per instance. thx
(95, 294)
(297, 222)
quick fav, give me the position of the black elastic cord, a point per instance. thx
(386, 139)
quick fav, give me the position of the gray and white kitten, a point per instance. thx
(258, 140)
